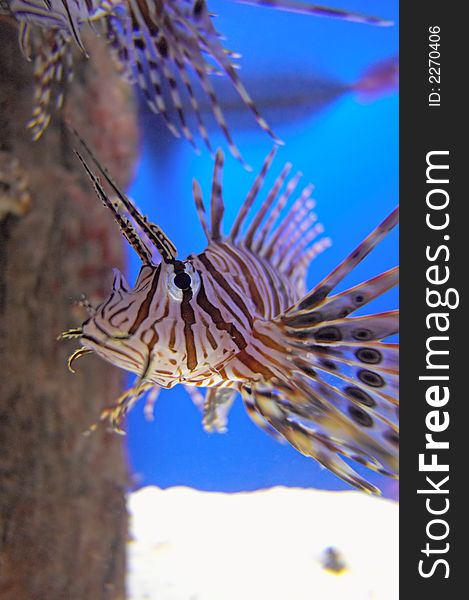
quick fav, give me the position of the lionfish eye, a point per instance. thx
(182, 281)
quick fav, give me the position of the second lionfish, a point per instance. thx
(236, 318)
(160, 45)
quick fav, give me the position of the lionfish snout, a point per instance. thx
(113, 344)
(108, 330)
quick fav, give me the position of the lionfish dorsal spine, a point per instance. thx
(284, 244)
(271, 196)
(200, 208)
(251, 196)
(278, 205)
(217, 207)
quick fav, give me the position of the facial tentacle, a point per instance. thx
(153, 232)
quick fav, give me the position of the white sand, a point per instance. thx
(265, 545)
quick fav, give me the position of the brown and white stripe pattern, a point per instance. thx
(234, 318)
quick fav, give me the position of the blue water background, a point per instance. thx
(347, 147)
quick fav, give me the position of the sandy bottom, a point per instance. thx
(279, 543)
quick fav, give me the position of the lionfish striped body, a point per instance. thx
(160, 45)
(236, 318)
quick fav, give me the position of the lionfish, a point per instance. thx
(159, 45)
(236, 318)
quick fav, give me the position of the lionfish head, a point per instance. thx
(133, 321)
(112, 328)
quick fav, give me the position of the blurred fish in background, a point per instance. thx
(283, 98)
(378, 80)
(165, 47)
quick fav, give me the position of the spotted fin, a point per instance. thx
(318, 295)
(342, 304)
(306, 434)
(341, 395)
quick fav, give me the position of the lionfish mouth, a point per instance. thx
(97, 345)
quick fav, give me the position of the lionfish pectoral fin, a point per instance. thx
(287, 422)
(256, 416)
(308, 444)
(340, 392)
(311, 444)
